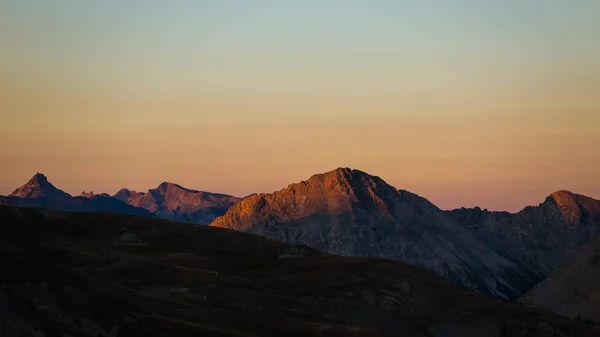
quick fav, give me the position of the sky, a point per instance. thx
(465, 102)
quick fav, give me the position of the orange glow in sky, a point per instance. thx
(470, 105)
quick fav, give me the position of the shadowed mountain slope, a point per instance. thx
(539, 237)
(572, 289)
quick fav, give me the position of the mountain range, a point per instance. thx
(89, 275)
(173, 202)
(537, 238)
(39, 192)
(168, 201)
(349, 212)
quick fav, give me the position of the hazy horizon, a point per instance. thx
(493, 104)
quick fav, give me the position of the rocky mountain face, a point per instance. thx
(537, 238)
(572, 289)
(39, 192)
(88, 275)
(173, 202)
(348, 212)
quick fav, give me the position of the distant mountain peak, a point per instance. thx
(342, 190)
(177, 203)
(38, 187)
(125, 194)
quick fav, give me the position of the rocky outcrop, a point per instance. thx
(91, 194)
(173, 202)
(572, 289)
(351, 213)
(69, 277)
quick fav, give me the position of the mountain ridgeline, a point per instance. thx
(173, 202)
(539, 238)
(349, 212)
(39, 192)
(168, 201)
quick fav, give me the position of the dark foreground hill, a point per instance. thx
(88, 274)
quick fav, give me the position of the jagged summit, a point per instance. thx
(38, 187)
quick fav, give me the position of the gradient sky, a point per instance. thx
(489, 103)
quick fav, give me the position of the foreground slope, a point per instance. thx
(349, 212)
(83, 274)
(173, 202)
(572, 289)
